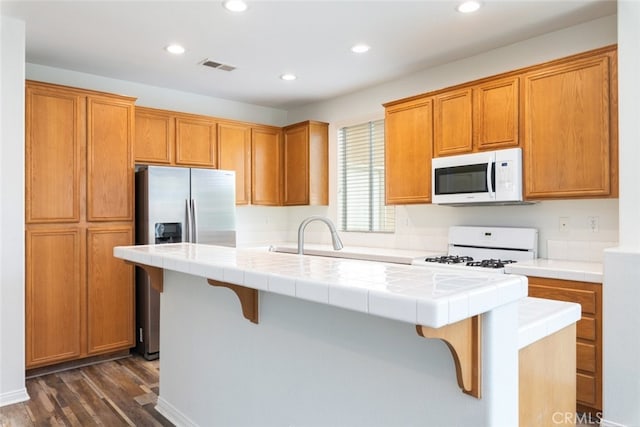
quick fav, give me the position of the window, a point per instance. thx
(361, 179)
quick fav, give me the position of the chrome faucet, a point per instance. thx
(335, 239)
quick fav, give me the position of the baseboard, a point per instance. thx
(12, 397)
(168, 411)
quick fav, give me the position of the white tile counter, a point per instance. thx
(539, 318)
(425, 296)
(306, 363)
(558, 269)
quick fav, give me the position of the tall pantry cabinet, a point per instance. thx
(79, 205)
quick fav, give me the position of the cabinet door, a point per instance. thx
(407, 151)
(110, 292)
(567, 147)
(496, 114)
(296, 166)
(109, 159)
(54, 154)
(266, 160)
(234, 153)
(54, 295)
(453, 123)
(155, 136)
(195, 142)
(589, 334)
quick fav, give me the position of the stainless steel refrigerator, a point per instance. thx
(177, 205)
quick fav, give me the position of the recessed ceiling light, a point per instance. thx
(360, 48)
(235, 5)
(175, 49)
(468, 6)
(288, 76)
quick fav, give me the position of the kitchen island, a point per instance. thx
(251, 337)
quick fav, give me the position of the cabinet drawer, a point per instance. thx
(586, 298)
(587, 328)
(586, 389)
(586, 355)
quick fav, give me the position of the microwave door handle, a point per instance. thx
(490, 167)
(187, 221)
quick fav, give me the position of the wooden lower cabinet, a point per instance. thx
(54, 295)
(110, 291)
(589, 334)
(79, 298)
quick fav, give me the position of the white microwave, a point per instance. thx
(488, 177)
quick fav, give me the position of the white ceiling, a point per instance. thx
(126, 39)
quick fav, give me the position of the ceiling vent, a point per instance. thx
(218, 65)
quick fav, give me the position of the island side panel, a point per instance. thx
(304, 364)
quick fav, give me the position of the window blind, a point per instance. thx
(361, 179)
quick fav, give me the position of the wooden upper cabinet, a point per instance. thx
(306, 163)
(408, 150)
(196, 141)
(55, 147)
(453, 129)
(234, 153)
(109, 158)
(155, 136)
(54, 295)
(496, 114)
(266, 166)
(570, 126)
(110, 290)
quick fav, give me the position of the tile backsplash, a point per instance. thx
(571, 250)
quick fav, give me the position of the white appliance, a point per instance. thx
(488, 177)
(486, 249)
(177, 205)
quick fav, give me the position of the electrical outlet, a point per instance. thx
(563, 223)
(593, 223)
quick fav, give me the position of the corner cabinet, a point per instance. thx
(78, 205)
(589, 334)
(234, 153)
(408, 151)
(570, 128)
(266, 166)
(306, 164)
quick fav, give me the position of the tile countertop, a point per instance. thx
(425, 296)
(538, 318)
(558, 269)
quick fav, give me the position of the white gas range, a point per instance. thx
(486, 249)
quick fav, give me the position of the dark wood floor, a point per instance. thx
(116, 393)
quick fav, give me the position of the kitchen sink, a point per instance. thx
(396, 256)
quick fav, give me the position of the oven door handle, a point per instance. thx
(490, 166)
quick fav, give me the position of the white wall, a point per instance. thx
(12, 43)
(157, 97)
(425, 226)
(621, 358)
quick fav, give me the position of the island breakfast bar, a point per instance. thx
(252, 337)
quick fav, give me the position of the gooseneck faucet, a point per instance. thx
(335, 239)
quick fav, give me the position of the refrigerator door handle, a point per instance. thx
(194, 222)
(187, 221)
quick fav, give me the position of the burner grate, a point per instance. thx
(450, 259)
(490, 263)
